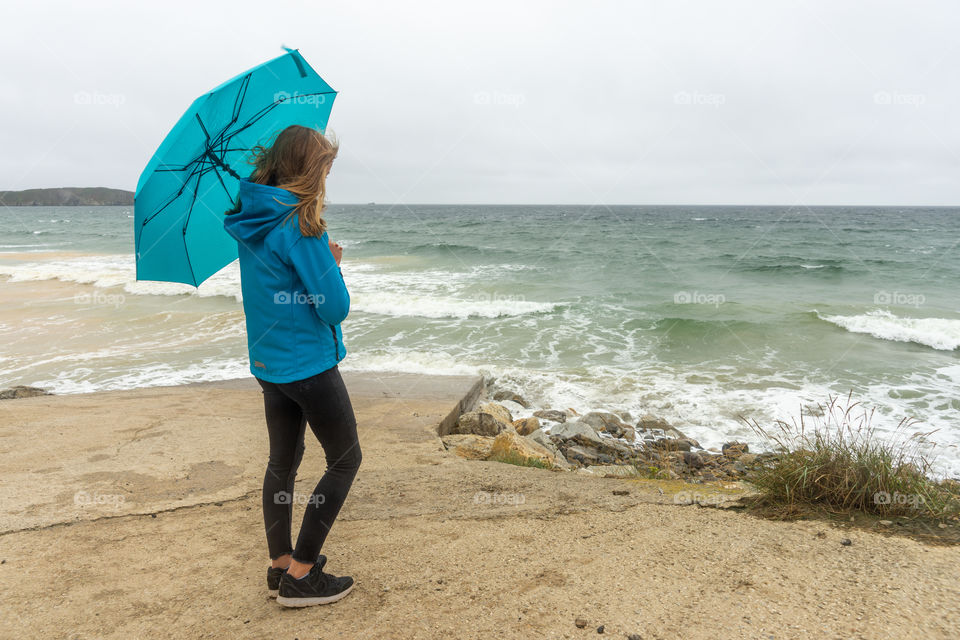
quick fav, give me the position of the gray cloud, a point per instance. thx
(509, 102)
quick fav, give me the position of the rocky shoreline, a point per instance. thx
(605, 443)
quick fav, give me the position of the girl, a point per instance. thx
(294, 300)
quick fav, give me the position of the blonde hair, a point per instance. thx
(298, 161)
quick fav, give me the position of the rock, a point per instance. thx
(576, 430)
(511, 444)
(526, 426)
(498, 411)
(20, 391)
(559, 460)
(584, 455)
(886, 523)
(673, 432)
(503, 394)
(479, 423)
(542, 438)
(692, 460)
(512, 407)
(468, 445)
(581, 623)
(551, 414)
(648, 422)
(621, 492)
(846, 542)
(604, 421)
(748, 458)
(634, 636)
(624, 415)
(629, 434)
(673, 444)
(600, 629)
(734, 449)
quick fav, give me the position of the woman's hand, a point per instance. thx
(337, 251)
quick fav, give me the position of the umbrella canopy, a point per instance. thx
(193, 177)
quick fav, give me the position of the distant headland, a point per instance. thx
(67, 196)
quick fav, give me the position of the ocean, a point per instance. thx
(701, 315)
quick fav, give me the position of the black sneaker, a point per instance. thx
(316, 587)
(274, 575)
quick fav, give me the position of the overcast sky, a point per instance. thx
(517, 102)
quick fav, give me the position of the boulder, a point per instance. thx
(498, 411)
(604, 421)
(648, 422)
(551, 414)
(512, 407)
(526, 426)
(511, 444)
(504, 394)
(479, 423)
(584, 455)
(542, 438)
(692, 460)
(468, 445)
(734, 449)
(672, 444)
(578, 431)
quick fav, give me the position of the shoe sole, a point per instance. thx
(309, 602)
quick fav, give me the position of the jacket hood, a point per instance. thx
(259, 212)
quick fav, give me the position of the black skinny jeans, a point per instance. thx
(323, 402)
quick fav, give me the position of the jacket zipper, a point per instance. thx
(336, 343)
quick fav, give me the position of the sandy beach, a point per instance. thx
(136, 514)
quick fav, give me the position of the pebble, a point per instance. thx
(600, 629)
(580, 622)
(846, 542)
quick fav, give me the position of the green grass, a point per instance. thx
(836, 460)
(521, 461)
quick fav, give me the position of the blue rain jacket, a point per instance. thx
(294, 297)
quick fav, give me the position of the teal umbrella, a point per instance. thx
(193, 177)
